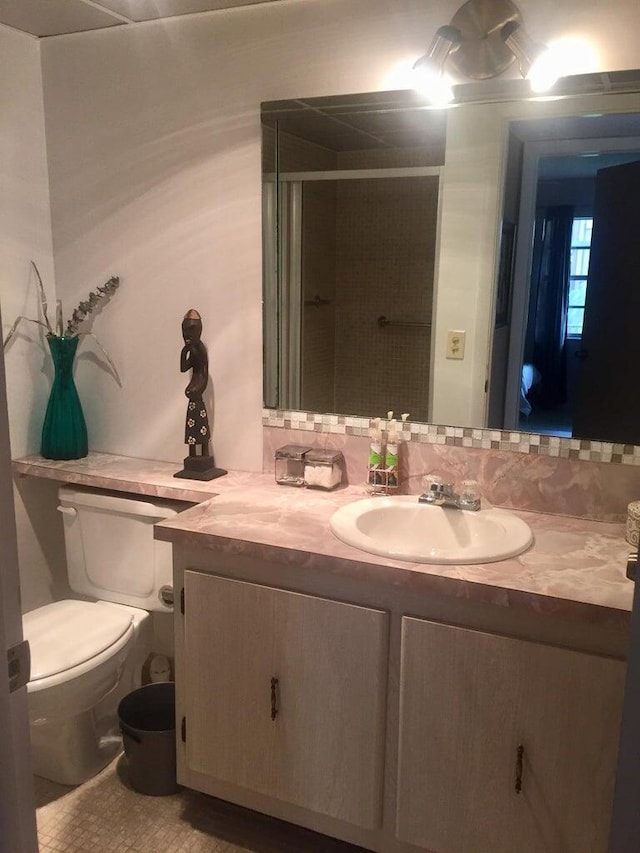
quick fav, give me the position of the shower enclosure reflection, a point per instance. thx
(352, 274)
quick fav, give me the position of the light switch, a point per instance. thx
(455, 343)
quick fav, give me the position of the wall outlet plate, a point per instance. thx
(455, 343)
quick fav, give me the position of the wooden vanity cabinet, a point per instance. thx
(284, 695)
(402, 734)
(505, 744)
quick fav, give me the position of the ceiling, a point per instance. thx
(358, 122)
(403, 118)
(46, 18)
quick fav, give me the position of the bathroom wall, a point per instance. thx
(25, 235)
(25, 232)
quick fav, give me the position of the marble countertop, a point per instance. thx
(119, 473)
(575, 569)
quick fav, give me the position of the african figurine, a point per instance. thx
(194, 357)
(197, 433)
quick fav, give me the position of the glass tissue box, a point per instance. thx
(323, 469)
(290, 464)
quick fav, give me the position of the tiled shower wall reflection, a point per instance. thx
(385, 240)
(367, 251)
(319, 295)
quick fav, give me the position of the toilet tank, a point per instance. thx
(111, 552)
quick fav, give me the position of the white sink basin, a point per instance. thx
(403, 529)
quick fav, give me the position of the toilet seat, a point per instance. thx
(69, 638)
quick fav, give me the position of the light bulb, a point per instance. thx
(429, 77)
(537, 63)
(435, 86)
(544, 72)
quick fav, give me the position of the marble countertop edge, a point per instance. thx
(575, 569)
(420, 578)
(119, 473)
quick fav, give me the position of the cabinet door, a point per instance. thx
(314, 737)
(480, 713)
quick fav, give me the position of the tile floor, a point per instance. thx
(105, 815)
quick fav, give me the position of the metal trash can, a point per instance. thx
(148, 724)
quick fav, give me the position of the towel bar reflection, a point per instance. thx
(384, 321)
(317, 301)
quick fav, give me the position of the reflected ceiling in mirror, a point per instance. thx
(353, 240)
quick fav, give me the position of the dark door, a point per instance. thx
(607, 405)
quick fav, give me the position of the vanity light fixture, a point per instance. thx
(534, 58)
(483, 39)
(429, 69)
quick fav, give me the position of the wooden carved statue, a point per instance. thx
(199, 464)
(194, 357)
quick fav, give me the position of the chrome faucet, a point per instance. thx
(443, 494)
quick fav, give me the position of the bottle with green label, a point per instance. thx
(375, 454)
(391, 454)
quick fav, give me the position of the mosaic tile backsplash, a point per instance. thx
(517, 470)
(487, 439)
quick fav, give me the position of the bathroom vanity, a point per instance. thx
(399, 706)
(458, 709)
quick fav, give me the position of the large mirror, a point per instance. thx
(474, 266)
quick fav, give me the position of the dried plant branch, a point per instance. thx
(101, 294)
(87, 306)
(105, 353)
(43, 298)
(14, 328)
(59, 320)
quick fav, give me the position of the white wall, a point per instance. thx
(25, 235)
(25, 232)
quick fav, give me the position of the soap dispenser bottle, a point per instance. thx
(375, 466)
(392, 454)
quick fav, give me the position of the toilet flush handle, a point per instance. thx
(68, 510)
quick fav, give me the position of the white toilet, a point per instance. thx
(87, 655)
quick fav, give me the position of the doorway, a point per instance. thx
(545, 354)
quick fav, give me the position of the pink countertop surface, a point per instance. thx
(575, 568)
(118, 473)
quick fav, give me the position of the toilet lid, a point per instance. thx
(68, 633)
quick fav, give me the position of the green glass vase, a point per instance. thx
(64, 432)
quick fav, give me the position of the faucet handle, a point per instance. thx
(431, 483)
(470, 494)
(470, 489)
